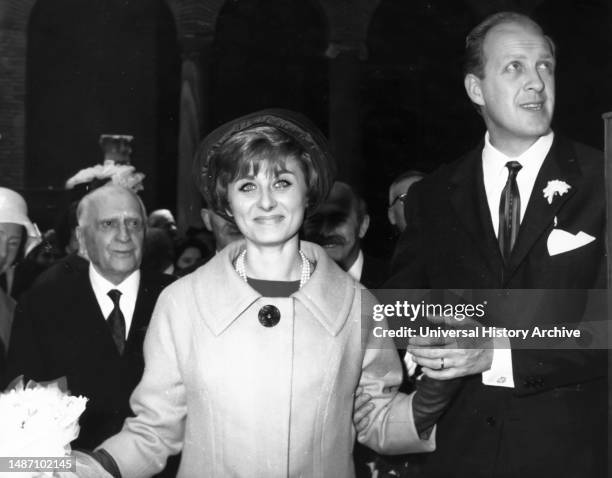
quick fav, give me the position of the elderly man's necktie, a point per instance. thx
(116, 321)
(509, 211)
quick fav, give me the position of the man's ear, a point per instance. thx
(474, 89)
(205, 215)
(80, 236)
(365, 224)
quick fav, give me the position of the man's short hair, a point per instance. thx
(474, 59)
(85, 203)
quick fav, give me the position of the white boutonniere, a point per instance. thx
(554, 188)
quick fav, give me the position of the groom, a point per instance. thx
(483, 222)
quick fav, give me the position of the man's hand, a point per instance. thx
(445, 358)
(447, 363)
(363, 408)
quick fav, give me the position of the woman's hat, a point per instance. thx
(14, 209)
(291, 123)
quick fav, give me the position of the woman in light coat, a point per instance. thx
(253, 360)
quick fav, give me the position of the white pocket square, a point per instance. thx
(560, 241)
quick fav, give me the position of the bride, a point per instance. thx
(253, 360)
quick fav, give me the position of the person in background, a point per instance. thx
(17, 234)
(158, 251)
(163, 219)
(190, 254)
(339, 225)
(398, 194)
(223, 231)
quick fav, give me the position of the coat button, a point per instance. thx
(269, 316)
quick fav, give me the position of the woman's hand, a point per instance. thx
(362, 409)
(86, 467)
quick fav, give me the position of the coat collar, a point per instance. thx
(221, 295)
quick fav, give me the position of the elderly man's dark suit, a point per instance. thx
(553, 423)
(59, 331)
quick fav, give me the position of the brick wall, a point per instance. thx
(13, 21)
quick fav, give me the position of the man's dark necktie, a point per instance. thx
(116, 321)
(3, 283)
(509, 211)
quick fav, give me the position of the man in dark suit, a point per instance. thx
(524, 210)
(338, 226)
(87, 320)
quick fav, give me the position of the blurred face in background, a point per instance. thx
(163, 219)
(223, 230)
(10, 240)
(188, 257)
(339, 232)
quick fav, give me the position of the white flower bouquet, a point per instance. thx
(38, 420)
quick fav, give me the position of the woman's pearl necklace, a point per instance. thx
(304, 276)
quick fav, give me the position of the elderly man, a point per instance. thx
(87, 321)
(524, 210)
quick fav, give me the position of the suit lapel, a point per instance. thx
(142, 311)
(561, 164)
(93, 330)
(469, 202)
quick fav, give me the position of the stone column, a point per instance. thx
(348, 22)
(195, 21)
(193, 116)
(345, 117)
(14, 17)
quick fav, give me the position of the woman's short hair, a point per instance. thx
(264, 139)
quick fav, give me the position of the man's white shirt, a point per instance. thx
(128, 289)
(356, 268)
(495, 175)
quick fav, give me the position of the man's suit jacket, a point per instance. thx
(374, 273)
(553, 422)
(59, 330)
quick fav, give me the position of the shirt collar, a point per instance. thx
(99, 283)
(129, 294)
(356, 269)
(494, 161)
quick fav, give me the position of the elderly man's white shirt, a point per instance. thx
(128, 289)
